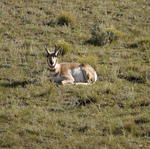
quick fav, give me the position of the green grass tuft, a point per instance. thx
(66, 18)
(92, 60)
(65, 47)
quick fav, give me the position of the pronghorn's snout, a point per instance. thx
(51, 62)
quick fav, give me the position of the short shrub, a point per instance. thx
(141, 43)
(64, 46)
(114, 34)
(65, 18)
(102, 36)
(99, 36)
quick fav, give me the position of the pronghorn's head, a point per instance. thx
(52, 57)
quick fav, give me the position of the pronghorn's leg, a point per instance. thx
(57, 79)
(65, 82)
(81, 83)
(68, 79)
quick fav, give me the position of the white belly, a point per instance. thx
(78, 75)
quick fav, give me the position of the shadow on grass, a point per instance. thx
(81, 102)
(84, 102)
(17, 83)
(133, 79)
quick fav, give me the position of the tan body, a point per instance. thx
(70, 73)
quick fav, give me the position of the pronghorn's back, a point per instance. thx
(70, 73)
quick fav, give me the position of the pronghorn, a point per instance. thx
(70, 73)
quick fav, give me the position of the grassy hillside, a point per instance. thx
(113, 36)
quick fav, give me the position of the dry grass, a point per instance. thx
(36, 113)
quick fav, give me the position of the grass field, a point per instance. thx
(113, 36)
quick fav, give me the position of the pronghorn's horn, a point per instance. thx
(57, 50)
(48, 52)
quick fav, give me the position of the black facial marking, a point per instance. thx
(51, 62)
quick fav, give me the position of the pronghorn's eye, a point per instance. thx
(47, 55)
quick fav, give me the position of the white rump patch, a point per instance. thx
(95, 76)
(78, 75)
